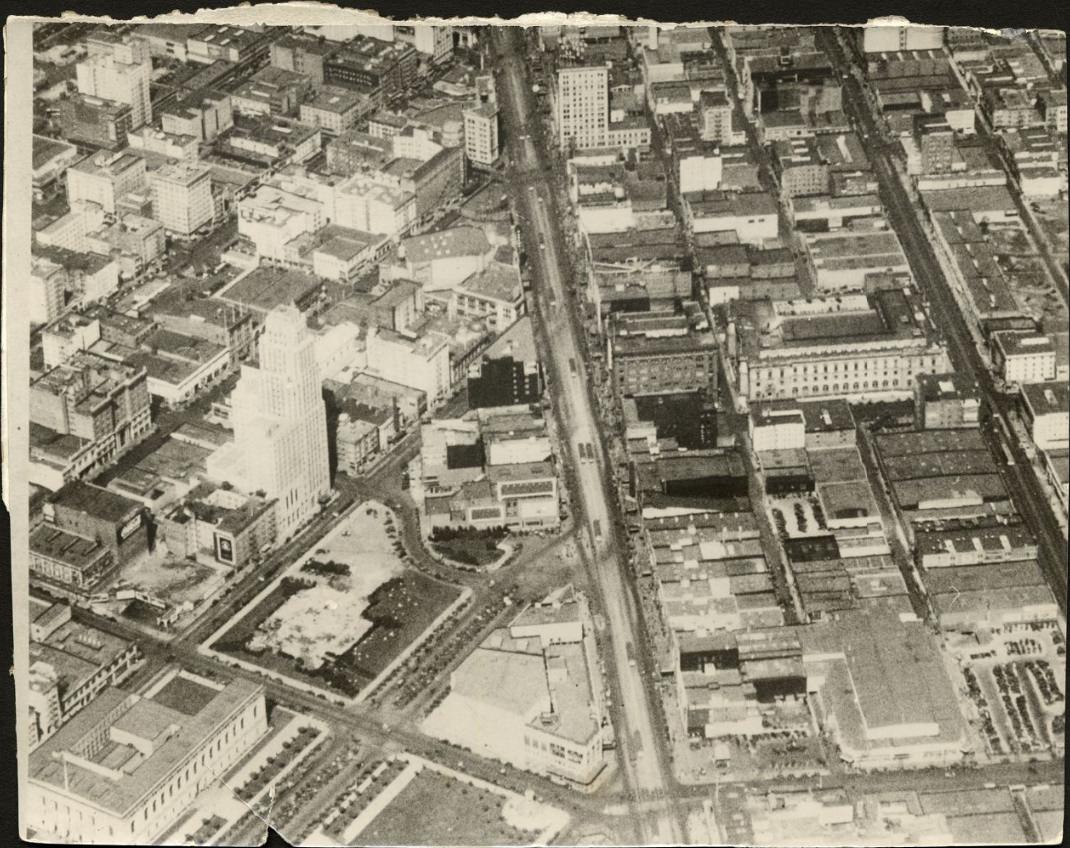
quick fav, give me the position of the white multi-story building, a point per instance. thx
(369, 206)
(419, 363)
(775, 427)
(280, 421)
(1047, 409)
(202, 114)
(481, 144)
(431, 40)
(700, 169)
(535, 684)
(182, 197)
(277, 213)
(103, 178)
(335, 109)
(582, 105)
(1024, 357)
(71, 230)
(62, 339)
(46, 290)
(118, 69)
(494, 294)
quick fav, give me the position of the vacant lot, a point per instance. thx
(173, 581)
(438, 810)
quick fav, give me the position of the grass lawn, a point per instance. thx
(450, 813)
(469, 551)
(400, 610)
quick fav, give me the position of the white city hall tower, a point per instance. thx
(280, 420)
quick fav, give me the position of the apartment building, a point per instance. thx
(946, 401)
(70, 664)
(303, 53)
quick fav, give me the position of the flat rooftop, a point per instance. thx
(265, 288)
(95, 501)
(133, 776)
(1048, 398)
(74, 551)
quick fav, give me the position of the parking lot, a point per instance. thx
(1014, 688)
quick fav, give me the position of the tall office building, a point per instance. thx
(583, 106)
(182, 197)
(118, 68)
(280, 421)
(481, 134)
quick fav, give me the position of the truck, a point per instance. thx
(629, 649)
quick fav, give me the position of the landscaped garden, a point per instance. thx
(468, 546)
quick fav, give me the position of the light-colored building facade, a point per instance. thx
(280, 421)
(1047, 411)
(118, 69)
(481, 144)
(182, 197)
(419, 363)
(1023, 358)
(103, 406)
(582, 104)
(535, 684)
(124, 768)
(104, 178)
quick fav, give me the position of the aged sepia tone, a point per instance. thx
(584, 433)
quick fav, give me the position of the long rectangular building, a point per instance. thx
(124, 768)
(850, 346)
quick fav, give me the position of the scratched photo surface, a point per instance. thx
(585, 433)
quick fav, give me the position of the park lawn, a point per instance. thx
(450, 813)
